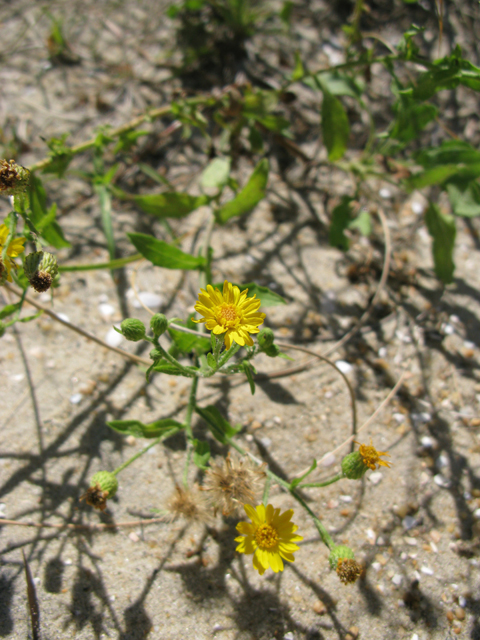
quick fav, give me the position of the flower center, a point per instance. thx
(228, 315)
(369, 455)
(266, 536)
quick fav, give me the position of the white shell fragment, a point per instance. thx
(113, 338)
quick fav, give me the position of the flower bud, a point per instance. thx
(41, 269)
(155, 355)
(341, 559)
(14, 179)
(133, 329)
(158, 324)
(353, 466)
(103, 485)
(266, 338)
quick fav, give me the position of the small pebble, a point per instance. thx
(450, 616)
(2, 509)
(397, 579)
(289, 636)
(441, 481)
(346, 498)
(385, 193)
(427, 571)
(375, 477)
(427, 442)
(256, 425)
(76, 398)
(376, 566)
(476, 514)
(133, 536)
(457, 630)
(64, 317)
(319, 608)
(412, 542)
(409, 523)
(417, 207)
(398, 417)
(106, 310)
(462, 601)
(343, 366)
(266, 442)
(130, 440)
(113, 338)
(68, 562)
(149, 299)
(328, 460)
(459, 613)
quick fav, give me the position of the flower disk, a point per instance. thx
(230, 313)
(270, 537)
(371, 456)
(15, 248)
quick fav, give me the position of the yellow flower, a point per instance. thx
(230, 312)
(371, 456)
(270, 537)
(15, 248)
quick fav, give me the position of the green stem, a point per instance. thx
(189, 371)
(113, 264)
(144, 450)
(228, 354)
(336, 478)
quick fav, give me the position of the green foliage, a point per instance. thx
(165, 427)
(249, 196)
(162, 254)
(335, 126)
(442, 229)
(168, 205)
(218, 425)
(201, 453)
(50, 229)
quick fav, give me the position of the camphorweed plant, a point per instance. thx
(245, 118)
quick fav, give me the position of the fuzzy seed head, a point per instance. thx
(233, 482)
(188, 504)
(348, 570)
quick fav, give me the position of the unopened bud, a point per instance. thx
(133, 329)
(14, 179)
(155, 355)
(341, 552)
(158, 324)
(41, 269)
(266, 338)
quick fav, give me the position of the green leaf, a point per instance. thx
(335, 127)
(186, 342)
(341, 220)
(464, 197)
(286, 12)
(249, 196)
(141, 430)
(52, 232)
(219, 427)
(167, 205)
(60, 156)
(9, 309)
(336, 83)
(443, 231)
(154, 175)
(273, 122)
(449, 152)
(363, 223)
(411, 119)
(215, 175)
(106, 217)
(294, 483)
(162, 254)
(170, 369)
(267, 297)
(201, 453)
(437, 175)
(249, 370)
(299, 71)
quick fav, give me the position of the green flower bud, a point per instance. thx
(107, 481)
(353, 466)
(341, 552)
(272, 351)
(158, 324)
(133, 329)
(266, 338)
(155, 355)
(2, 329)
(14, 179)
(41, 269)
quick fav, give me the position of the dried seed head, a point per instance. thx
(40, 269)
(103, 485)
(348, 570)
(14, 179)
(187, 503)
(233, 482)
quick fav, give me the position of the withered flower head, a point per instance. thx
(96, 497)
(187, 503)
(41, 268)
(14, 178)
(233, 482)
(348, 570)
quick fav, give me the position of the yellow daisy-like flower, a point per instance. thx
(270, 537)
(371, 456)
(15, 248)
(230, 313)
